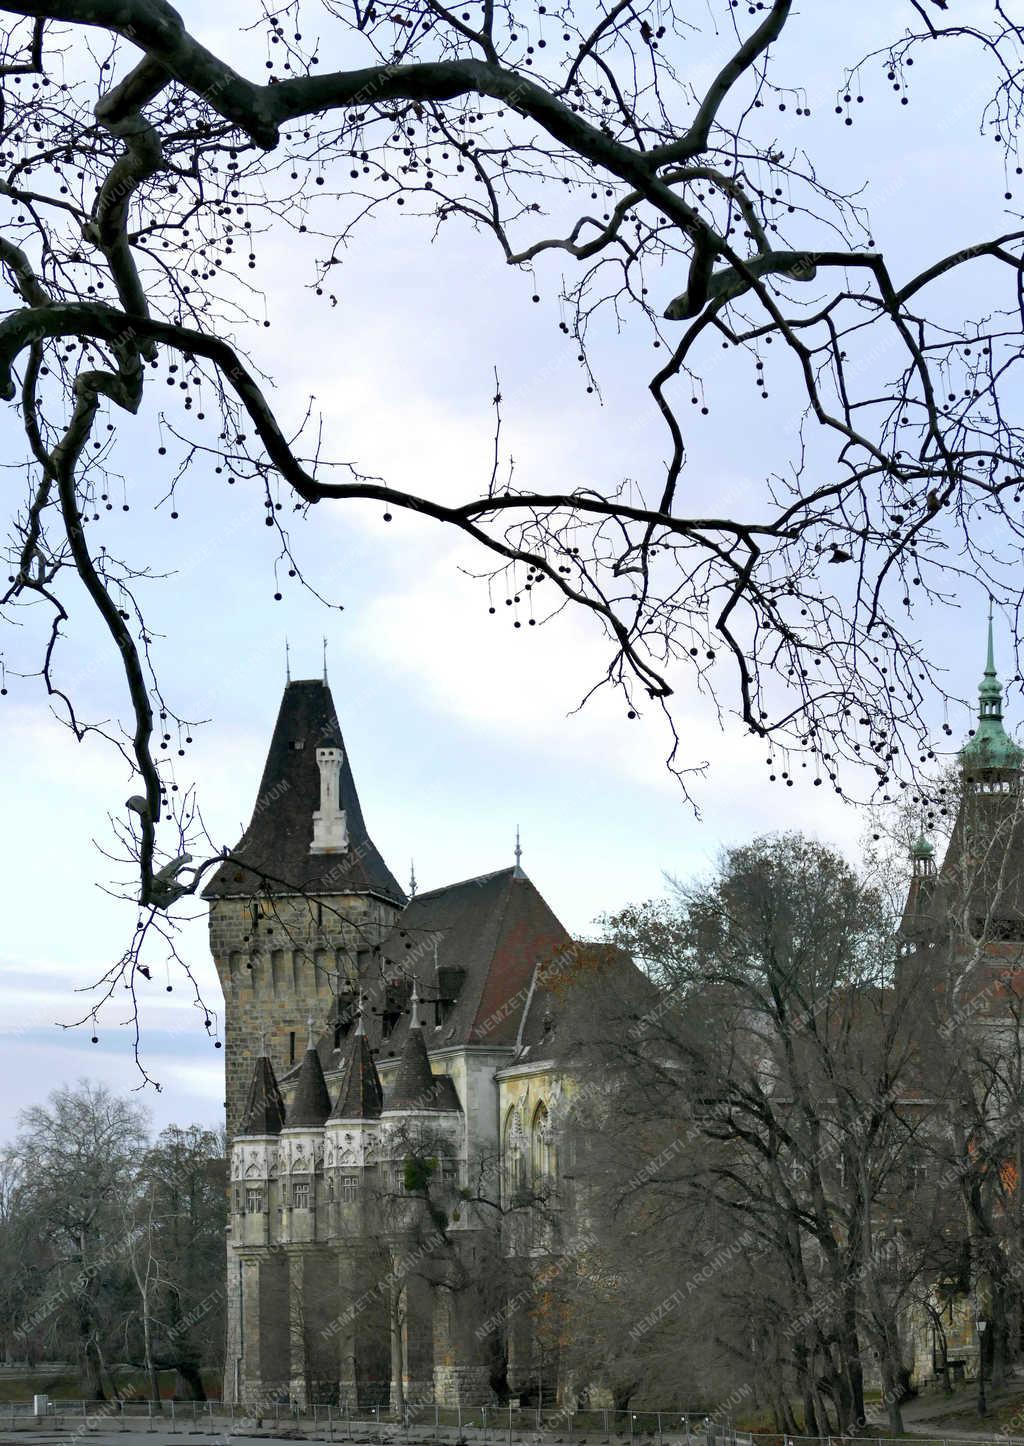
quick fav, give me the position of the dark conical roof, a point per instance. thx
(281, 829)
(264, 1108)
(311, 1103)
(360, 1096)
(416, 1087)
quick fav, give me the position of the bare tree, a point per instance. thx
(78, 1155)
(762, 1096)
(139, 165)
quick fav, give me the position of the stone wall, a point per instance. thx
(280, 961)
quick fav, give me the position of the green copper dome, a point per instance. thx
(921, 848)
(991, 749)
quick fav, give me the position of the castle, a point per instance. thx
(389, 1100)
(400, 1164)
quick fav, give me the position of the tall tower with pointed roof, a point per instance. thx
(972, 907)
(299, 908)
(990, 759)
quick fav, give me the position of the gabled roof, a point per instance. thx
(472, 948)
(311, 1104)
(360, 1096)
(281, 829)
(495, 928)
(264, 1107)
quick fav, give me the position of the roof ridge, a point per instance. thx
(459, 883)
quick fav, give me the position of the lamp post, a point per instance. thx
(982, 1403)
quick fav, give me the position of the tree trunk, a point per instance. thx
(191, 1378)
(397, 1353)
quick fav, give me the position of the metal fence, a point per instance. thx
(446, 1425)
(476, 1424)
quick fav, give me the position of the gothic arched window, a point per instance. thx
(541, 1153)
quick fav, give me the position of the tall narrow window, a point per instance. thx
(300, 1196)
(540, 1146)
(291, 1047)
(253, 1200)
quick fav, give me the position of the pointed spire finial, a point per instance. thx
(990, 691)
(412, 878)
(359, 1014)
(414, 1022)
(264, 1052)
(310, 1042)
(287, 662)
(519, 854)
(325, 660)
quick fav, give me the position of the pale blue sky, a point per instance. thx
(458, 727)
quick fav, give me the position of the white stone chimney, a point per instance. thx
(330, 828)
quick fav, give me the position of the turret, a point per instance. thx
(352, 1134)
(416, 1089)
(254, 1153)
(990, 760)
(301, 1149)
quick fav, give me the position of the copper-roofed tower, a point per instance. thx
(301, 903)
(971, 910)
(991, 761)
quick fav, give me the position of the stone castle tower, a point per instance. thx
(304, 902)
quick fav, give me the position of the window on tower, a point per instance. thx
(253, 1200)
(349, 1189)
(300, 1195)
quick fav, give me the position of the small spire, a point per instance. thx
(287, 662)
(519, 856)
(325, 662)
(264, 1052)
(359, 1015)
(414, 1022)
(990, 691)
(310, 1042)
(412, 878)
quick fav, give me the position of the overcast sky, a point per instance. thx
(458, 727)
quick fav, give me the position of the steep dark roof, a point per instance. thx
(311, 1104)
(264, 1108)
(281, 829)
(415, 1086)
(360, 1096)
(494, 929)
(472, 948)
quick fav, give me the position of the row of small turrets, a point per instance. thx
(416, 1090)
